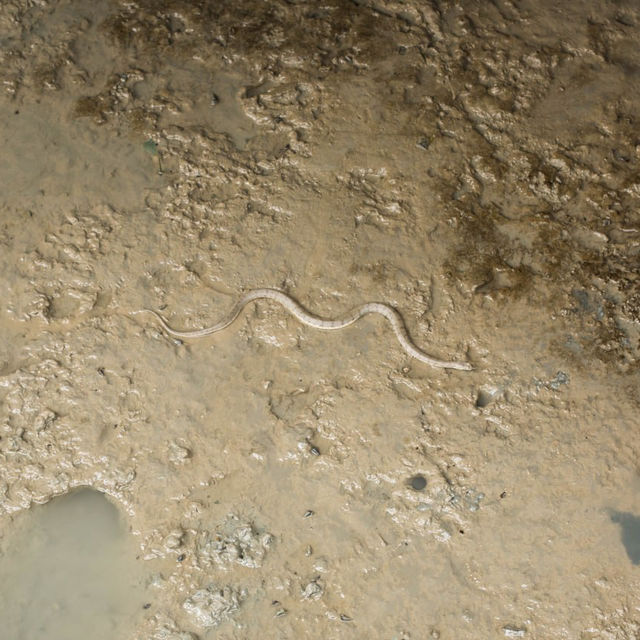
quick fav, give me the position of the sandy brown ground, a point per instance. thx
(475, 164)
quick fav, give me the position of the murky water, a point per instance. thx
(68, 571)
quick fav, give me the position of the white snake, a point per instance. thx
(394, 318)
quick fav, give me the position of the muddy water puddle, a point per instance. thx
(68, 570)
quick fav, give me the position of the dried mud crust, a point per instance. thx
(475, 164)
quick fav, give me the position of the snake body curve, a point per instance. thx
(296, 310)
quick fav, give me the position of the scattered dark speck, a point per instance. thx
(146, 605)
(418, 482)
(503, 494)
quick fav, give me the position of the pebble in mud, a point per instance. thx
(418, 482)
(485, 397)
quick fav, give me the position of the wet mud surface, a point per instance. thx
(474, 164)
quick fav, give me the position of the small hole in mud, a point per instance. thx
(418, 482)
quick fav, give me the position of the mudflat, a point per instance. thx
(474, 165)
